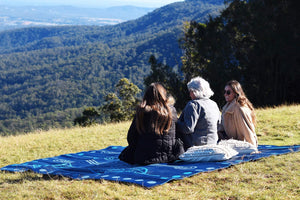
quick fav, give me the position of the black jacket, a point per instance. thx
(149, 147)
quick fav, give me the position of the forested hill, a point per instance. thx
(48, 74)
(156, 23)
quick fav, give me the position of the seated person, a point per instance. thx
(151, 136)
(198, 122)
(238, 117)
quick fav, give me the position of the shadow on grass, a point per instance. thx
(32, 176)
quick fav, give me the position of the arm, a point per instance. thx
(245, 127)
(221, 131)
(189, 118)
(127, 154)
(132, 135)
(174, 113)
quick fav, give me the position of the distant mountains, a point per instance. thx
(28, 16)
(48, 74)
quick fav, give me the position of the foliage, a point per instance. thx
(254, 42)
(44, 70)
(127, 92)
(170, 79)
(88, 118)
(121, 106)
(268, 178)
(117, 107)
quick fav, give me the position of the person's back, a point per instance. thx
(208, 123)
(199, 123)
(151, 136)
(156, 148)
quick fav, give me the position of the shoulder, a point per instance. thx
(238, 110)
(173, 111)
(245, 110)
(207, 103)
(202, 103)
(191, 107)
(231, 107)
(193, 104)
(212, 103)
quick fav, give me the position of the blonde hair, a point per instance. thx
(241, 97)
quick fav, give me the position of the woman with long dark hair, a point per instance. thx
(151, 136)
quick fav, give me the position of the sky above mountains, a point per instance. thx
(89, 3)
(28, 13)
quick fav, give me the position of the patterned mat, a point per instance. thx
(104, 164)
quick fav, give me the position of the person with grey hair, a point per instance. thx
(199, 120)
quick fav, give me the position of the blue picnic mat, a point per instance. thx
(104, 164)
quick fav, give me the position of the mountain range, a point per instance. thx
(12, 17)
(49, 74)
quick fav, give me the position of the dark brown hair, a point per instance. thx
(154, 102)
(241, 97)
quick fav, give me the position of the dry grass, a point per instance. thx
(276, 177)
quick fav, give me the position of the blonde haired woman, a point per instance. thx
(238, 116)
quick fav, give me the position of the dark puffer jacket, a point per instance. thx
(149, 147)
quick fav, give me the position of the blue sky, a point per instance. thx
(90, 3)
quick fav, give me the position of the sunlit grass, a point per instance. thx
(276, 177)
(279, 125)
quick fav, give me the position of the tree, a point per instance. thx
(254, 42)
(113, 108)
(208, 53)
(121, 107)
(264, 34)
(88, 117)
(169, 79)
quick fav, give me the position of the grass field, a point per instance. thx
(276, 177)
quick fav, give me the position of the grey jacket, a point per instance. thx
(198, 123)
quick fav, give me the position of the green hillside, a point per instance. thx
(276, 177)
(49, 74)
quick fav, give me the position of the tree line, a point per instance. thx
(255, 42)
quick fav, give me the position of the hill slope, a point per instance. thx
(276, 176)
(47, 74)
